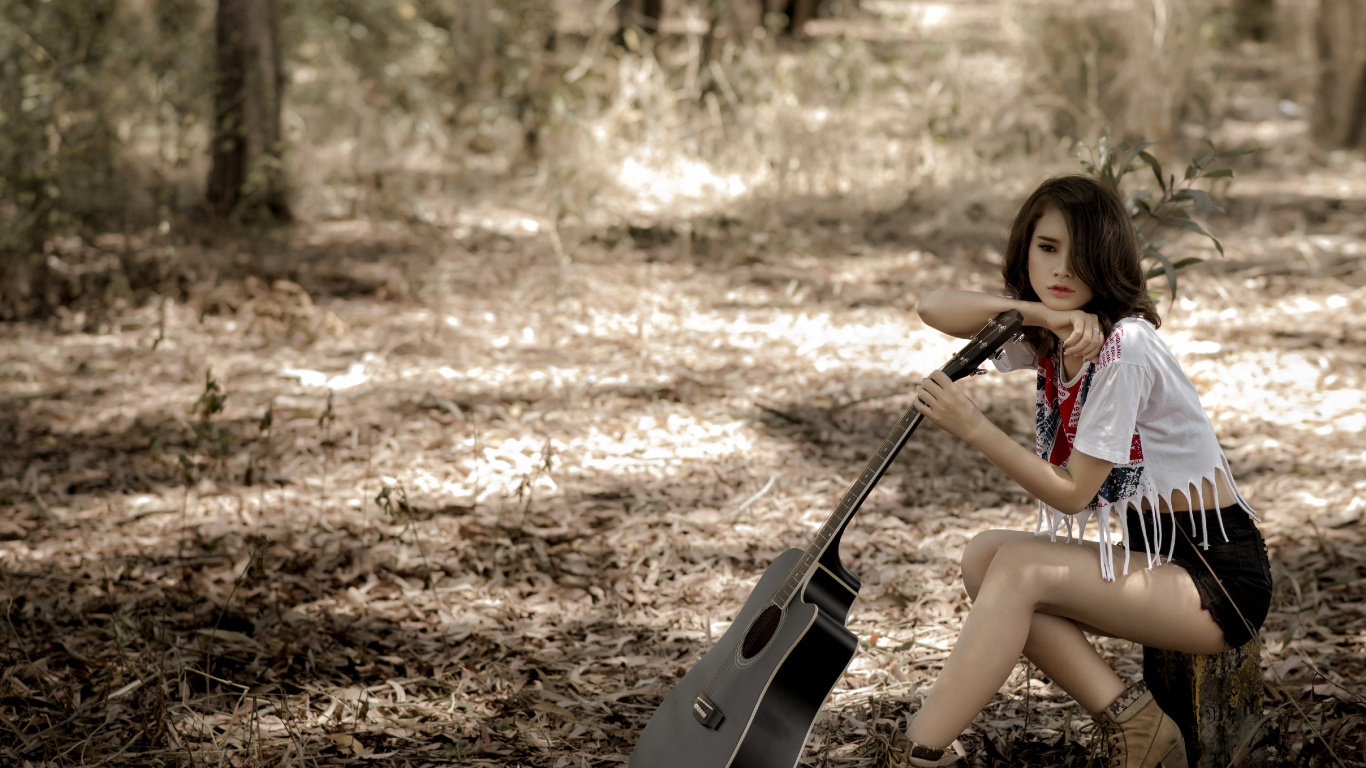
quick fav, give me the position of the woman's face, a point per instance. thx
(1050, 265)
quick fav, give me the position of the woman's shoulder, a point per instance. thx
(1133, 340)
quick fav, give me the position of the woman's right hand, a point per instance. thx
(1079, 331)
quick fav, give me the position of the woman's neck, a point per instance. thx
(1070, 365)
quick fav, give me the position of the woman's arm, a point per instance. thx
(963, 313)
(1068, 489)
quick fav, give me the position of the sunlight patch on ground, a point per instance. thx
(660, 448)
(508, 222)
(662, 185)
(874, 342)
(655, 445)
(920, 14)
(356, 375)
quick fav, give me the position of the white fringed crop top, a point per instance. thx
(1137, 409)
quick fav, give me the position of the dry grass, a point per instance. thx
(532, 436)
(495, 527)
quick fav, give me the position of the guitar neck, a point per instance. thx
(986, 342)
(850, 503)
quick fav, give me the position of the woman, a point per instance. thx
(1120, 435)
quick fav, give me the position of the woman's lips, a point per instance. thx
(1060, 290)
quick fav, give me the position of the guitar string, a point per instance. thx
(994, 335)
(852, 498)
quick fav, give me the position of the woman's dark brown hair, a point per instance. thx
(1104, 254)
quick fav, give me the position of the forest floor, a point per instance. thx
(481, 493)
(462, 499)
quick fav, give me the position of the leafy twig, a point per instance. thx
(1171, 208)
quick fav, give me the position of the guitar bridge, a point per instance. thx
(705, 711)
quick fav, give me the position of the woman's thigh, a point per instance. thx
(1158, 607)
(981, 550)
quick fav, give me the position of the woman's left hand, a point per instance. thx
(942, 402)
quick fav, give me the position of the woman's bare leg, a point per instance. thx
(1029, 576)
(1058, 646)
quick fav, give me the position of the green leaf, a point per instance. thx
(1135, 199)
(1182, 264)
(1168, 269)
(1222, 173)
(1131, 154)
(1203, 201)
(1193, 227)
(1157, 169)
(1180, 213)
(1191, 171)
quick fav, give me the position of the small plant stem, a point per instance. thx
(325, 421)
(184, 518)
(474, 425)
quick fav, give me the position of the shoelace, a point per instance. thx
(1094, 744)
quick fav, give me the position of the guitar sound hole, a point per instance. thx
(761, 632)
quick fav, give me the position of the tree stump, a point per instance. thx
(1215, 699)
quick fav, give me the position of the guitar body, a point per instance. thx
(770, 700)
(750, 702)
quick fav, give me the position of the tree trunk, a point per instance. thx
(797, 13)
(473, 35)
(1255, 19)
(247, 177)
(640, 14)
(1339, 118)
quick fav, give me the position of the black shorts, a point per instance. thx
(1233, 577)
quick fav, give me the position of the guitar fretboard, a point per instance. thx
(849, 504)
(986, 342)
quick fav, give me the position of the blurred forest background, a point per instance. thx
(409, 382)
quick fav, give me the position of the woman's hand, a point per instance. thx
(942, 402)
(1079, 331)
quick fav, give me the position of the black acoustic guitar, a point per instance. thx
(750, 702)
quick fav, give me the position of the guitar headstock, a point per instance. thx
(996, 332)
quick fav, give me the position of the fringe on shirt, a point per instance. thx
(1054, 522)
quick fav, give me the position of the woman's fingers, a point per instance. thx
(1097, 340)
(945, 405)
(923, 397)
(1077, 336)
(1082, 323)
(927, 397)
(1086, 337)
(1093, 340)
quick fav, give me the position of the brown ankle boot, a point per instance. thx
(1139, 734)
(908, 754)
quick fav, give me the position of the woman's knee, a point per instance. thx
(978, 555)
(1030, 568)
